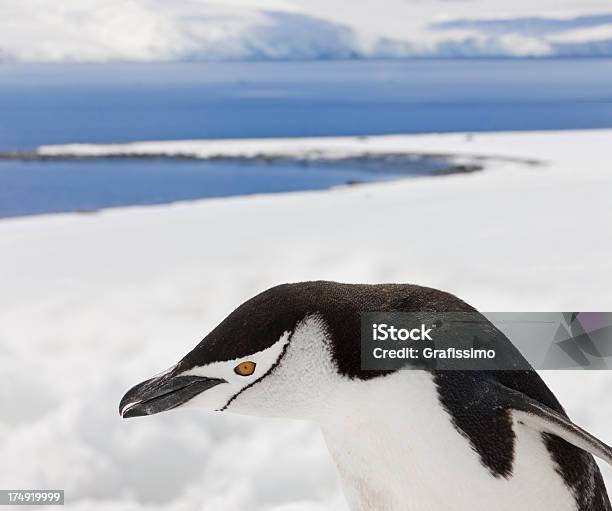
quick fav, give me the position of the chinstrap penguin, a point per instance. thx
(402, 440)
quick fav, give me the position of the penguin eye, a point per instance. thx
(245, 368)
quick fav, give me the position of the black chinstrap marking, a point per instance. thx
(268, 372)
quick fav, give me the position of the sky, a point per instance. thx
(144, 30)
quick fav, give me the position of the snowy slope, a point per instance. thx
(92, 303)
(150, 30)
(144, 30)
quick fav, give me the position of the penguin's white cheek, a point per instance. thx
(238, 375)
(261, 399)
(285, 393)
(218, 397)
(302, 384)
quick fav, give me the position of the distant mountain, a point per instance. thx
(579, 36)
(154, 30)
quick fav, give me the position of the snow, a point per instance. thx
(521, 146)
(154, 30)
(150, 30)
(93, 303)
(585, 35)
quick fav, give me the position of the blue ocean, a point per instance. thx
(65, 103)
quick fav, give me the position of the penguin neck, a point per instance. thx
(381, 437)
(397, 449)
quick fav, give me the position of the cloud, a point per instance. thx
(152, 30)
(535, 26)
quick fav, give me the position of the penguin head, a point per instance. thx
(288, 352)
(272, 356)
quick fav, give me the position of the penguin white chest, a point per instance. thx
(397, 449)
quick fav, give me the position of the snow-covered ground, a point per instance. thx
(92, 303)
(456, 145)
(150, 30)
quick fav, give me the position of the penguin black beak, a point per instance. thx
(163, 393)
